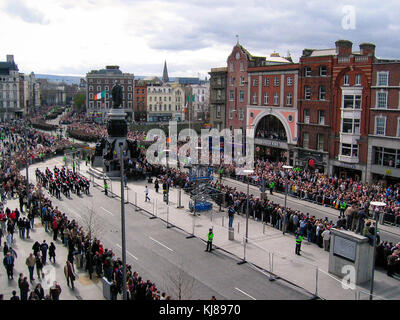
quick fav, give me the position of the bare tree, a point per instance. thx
(179, 283)
(92, 223)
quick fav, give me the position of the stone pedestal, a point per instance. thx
(117, 129)
(350, 249)
(231, 234)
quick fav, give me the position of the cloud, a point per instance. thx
(30, 15)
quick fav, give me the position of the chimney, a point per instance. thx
(274, 54)
(343, 47)
(307, 52)
(367, 49)
(10, 58)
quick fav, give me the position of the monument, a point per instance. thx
(117, 129)
(350, 249)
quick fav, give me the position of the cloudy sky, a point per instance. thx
(72, 37)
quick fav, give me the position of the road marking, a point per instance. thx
(74, 212)
(107, 211)
(246, 294)
(161, 244)
(127, 252)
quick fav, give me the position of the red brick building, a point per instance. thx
(384, 124)
(140, 100)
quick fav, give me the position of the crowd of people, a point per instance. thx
(325, 190)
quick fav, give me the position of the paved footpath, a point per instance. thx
(85, 289)
(266, 248)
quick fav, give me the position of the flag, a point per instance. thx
(100, 95)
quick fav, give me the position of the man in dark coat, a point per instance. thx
(8, 262)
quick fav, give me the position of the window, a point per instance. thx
(321, 117)
(219, 81)
(380, 125)
(98, 88)
(150, 107)
(383, 78)
(276, 81)
(306, 115)
(90, 88)
(241, 66)
(307, 92)
(265, 98)
(254, 82)
(266, 82)
(289, 81)
(322, 93)
(169, 107)
(241, 96)
(231, 113)
(351, 126)
(349, 150)
(241, 114)
(231, 67)
(358, 79)
(307, 71)
(346, 79)
(218, 111)
(90, 95)
(129, 95)
(306, 140)
(91, 104)
(289, 99)
(382, 99)
(241, 80)
(254, 98)
(320, 142)
(352, 101)
(322, 71)
(231, 95)
(231, 81)
(276, 99)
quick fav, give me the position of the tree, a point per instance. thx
(179, 283)
(92, 223)
(79, 101)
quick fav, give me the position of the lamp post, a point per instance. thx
(124, 293)
(27, 164)
(286, 187)
(247, 172)
(376, 217)
(166, 158)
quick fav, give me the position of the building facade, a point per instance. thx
(218, 97)
(103, 80)
(140, 101)
(384, 124)
(201, 103)
(165, 102)
(10, 103)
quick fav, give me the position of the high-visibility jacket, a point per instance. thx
(210, 236)
(343, 205)
(106, 186)
(299, 239)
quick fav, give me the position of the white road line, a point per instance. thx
(128, 252)
(107, 211)
(161, 244)
(74, 212)
(246, 294)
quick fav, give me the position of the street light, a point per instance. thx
(247, 172)
(376, 217)
(288, 168)
(124, 292)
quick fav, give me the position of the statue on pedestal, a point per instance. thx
(116, 93)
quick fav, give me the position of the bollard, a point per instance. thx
(271, 266)
(127, 195)
(238, 227)
(211, 215)
(316, 282)
(222, 221)
(263, 227)
(180, 199)
(192, 235)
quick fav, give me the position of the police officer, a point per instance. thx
(299, 239)
(105, 188)
(210, 237)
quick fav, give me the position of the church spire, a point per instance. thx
(165, 73)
